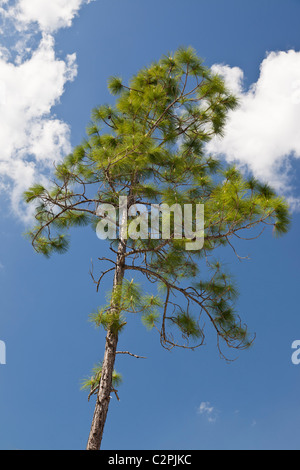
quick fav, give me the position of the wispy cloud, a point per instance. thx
(263, 134)
(32, 82)
(208, 411)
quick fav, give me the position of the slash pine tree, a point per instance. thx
(151, 147)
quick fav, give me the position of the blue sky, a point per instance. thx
(177, 400)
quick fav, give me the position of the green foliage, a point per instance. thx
(92, 382)
(151, 145)
(34, 193)
(187, 325)
(150, 319)
(46, 246)
(127, 298)
(115, 85)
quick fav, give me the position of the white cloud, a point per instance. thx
(49, 15)
(263, 134)
(31, 84)
(31, 138)
(233, 77)
(209, 411)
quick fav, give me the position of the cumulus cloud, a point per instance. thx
(209, 411)
(263, 134)
(48, 15)
(32, 138)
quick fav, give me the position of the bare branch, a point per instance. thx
(130, 354)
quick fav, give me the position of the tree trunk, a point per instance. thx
(105, 389)
(103, 398)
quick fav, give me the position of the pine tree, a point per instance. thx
(151, 147)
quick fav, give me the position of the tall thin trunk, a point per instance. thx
(103, 398)
(105, 389)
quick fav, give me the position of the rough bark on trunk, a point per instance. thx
(103, 398)
(106, 385)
